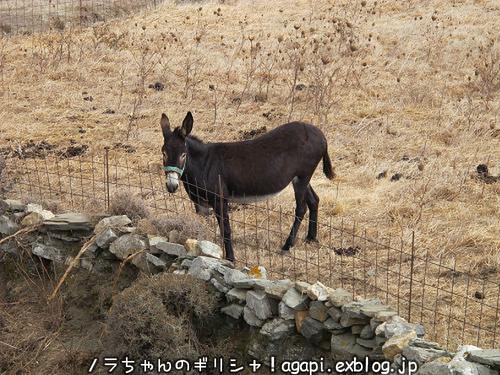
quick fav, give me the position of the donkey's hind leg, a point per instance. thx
(312, 201)
(300, 189)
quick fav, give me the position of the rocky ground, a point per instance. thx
(147, 296)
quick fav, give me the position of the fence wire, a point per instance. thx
(30, 16)
(454, 306)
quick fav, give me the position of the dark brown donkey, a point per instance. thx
(215, 174)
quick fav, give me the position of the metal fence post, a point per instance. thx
(106, 176)
(411, 273)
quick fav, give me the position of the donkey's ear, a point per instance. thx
(165, 125)
(187, 124)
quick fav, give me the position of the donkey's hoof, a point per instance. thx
(311, 240)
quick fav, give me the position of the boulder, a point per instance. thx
(335, 313)
(234, 311)
(46, 214)
(204, 248)
(251, 319)
(278, 329)
(488, 357)
(285, 312)
(48, 252)
(437, 367)
(422, 355)
(318, 311)
(397, 343)
(277, 289)
(319, 292)
(155, 261)
(342, 346)
(68, 222)
(105, 238)
(356, 330)
(332, 325)
(302, 287)
(237, 295)
(339, 297)
(7, 226)
(367, 332)
(231, 276)
(14, 205)
(398, 326)
(295, 300)
(161, 245)
(367, 343)
(126, 245)
(112, 222)
(219, 285)
(202, 267)
(313, 330)
(33, 218)
(263, 306)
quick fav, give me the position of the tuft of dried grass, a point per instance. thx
(123, 203)
(188, 226)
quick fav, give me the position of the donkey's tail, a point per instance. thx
(327, 166)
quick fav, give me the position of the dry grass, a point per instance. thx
(408, 88)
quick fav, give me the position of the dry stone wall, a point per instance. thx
(292, 319)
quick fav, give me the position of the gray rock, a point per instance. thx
(155, 261)
(285, 312)
(32, 207)
(302, 287)
(220, 286)
(48, 252)
(105, 238)
(398, 326)
(367, 343)
(186, 263)
(160, 244)
(372, 307)
(335, 313)
(14, 205)
(33, 218)
(421, 355)
(435, 368)
(251, 283)
(113, 222)
(210, 249)
(331, 325)
(295, 300)
(202, 267)
(277, 289)
(340, 297)
(318, 311)
(234, 311)
(7, 226)
(126, 245)
(356, 330)
(421, 343)
(349, 321)
(367, 332)
(352, 310)
(263, 306)
(343, 346)
(237, 295)
(318, 291)
(231, 276)
(251, 319)
(313, 330)
(68, 222)
(278, 329)
(488, 357)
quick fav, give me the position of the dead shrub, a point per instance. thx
(189, 226)
(124, 203)
(161, 317)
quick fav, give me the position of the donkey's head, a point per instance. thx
(174, 150)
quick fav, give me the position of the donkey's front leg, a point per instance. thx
(222, 214)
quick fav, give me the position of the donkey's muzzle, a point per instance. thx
(172, 182)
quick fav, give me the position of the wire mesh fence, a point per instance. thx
(454, 306)
(29, 16)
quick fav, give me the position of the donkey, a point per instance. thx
(214, 174)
